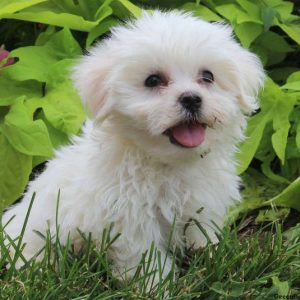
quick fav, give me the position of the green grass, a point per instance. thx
(250, 262)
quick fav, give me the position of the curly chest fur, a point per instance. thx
(143, 189)
(146, 197)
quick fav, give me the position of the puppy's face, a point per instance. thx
(173, 84)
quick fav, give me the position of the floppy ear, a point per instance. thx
(90, 79)
(250, 79)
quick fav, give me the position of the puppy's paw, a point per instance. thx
(196, 239)
(20, 259)
(149, 271)
(19, 254)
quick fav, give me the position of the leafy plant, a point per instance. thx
(270, 29)
(39, 108)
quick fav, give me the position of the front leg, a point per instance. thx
(199, 233)
(32, 244)
(142, 264)
(201, 227)
(137, 248)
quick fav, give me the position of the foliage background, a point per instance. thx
(39, 109)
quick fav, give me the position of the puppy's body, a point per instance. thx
(134, 165)
(118, 183)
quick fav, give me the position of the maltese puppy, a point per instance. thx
(168, 96)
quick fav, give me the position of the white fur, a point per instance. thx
(122, 169)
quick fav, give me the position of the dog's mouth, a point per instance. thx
(187, 135)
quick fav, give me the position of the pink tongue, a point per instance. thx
(191, 135)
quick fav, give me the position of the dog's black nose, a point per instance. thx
(191, 102)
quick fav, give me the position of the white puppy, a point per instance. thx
(168, 94)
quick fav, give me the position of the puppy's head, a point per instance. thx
(172, 84)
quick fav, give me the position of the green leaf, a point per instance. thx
(264, 151)
(57, 137)
(292, 30)
(251, 8)
(261, 52)
(292, 150)
(12, 91)
(274, 42)
(281, 286)
(25, 135)
(294, 86)
(295, 76)
(255, 129)
(64, 45)
(292, 233)
(289, 197)
(30, 139)
(271, 94)
(293, 82)
(298, 136)
(201, 11)
(218, 288)
(275, 58)
(266, 169)
(272, 215)
(63, 108)
(15, 169)
(99, 30)
(133, 9)
(57, 19)
(268, 15)
(60, 72)
(45, 36)
(237, 290)
(281, 125)
(280, 74)
(275, 106)
(247, 32)
(257, 190)
(33, 63)
(235, 14)
(11, 6)
(103, 11)
(284, 11)
(18, 114)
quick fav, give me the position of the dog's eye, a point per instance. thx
(207, 76)
(154, 80)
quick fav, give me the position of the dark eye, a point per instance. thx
(207, 76)
(154, 80)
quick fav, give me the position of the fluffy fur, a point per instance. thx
(123, 169)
